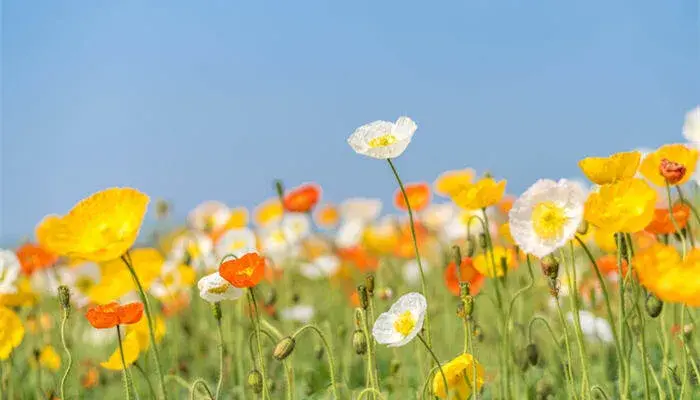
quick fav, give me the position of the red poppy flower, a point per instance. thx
(418, 196)
(302, 199)
(244, 272)
(662, 223)
(113, 314)
(467, 274)
(33, 257)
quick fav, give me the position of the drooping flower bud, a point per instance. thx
(359, 342)
(364, 298)
(672, 171)
(369, 283)
(284, 348)
(532, 353)
(483, 242)
(394, 366)
(279, 188)
(550, 266)
(255, 381)
(457, 256)
(64, 297)
(318, 352)
(471, 246)
(653, 305)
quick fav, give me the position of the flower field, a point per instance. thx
(457, 290)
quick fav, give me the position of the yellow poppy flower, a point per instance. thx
(674, 163)
(606, 170)
(504, 234)
(624, 206)
(135, 343)
(101, 227)
(24, 296)
(238, 218)
(12, 332)
(116, 280)
(268, 212)
(455, 373)
(484, 193)
(661, 270)
(605, 240)
(483, 264)
(49, 359)
(382, 237)
(450, 183)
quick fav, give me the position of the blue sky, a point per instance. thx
(215, 99)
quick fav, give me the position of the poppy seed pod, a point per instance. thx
(653, 305)
(359, 342)
(284, 348)
(64, 297)
(255, 381)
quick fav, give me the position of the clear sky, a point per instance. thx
(198, 100)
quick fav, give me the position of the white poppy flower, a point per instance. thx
(411, 272)
(349, 234)
(195, 249)
(593, 327)
(383, 139)
(209, 216)
(45, 281)
(320, 267)
(437, 216)
(9, 271)
(80, 279)
(213, 288)
(402, 322)
(691, 127)
(546, 216)
(296, 226)
(298, 313)
(236, 242)
(360, 209)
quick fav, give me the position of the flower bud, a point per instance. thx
(483, 242)
(358, 318)
(543, 389)
(386, 293)
(394, 366)
(295, 298)
(621, 245)
(553, 287)
(364, 299)
(318, 352)
(653, 305)
(532, 354)
(672, 171)
(550, 266)
(284, 348)
(255, 381)
(504, 266)
(359, 342)
(279, 188)
(162, 209)
(64, 297)
(471, 246)
(582, 227)
(216, 310)
(457, 256)
(369, 283)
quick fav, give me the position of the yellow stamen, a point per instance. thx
(381, 141)
(405, 323)
(219, 289)
(548, 219)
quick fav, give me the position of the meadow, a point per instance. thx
(457, 290)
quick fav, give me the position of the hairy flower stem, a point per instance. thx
(424, 287)
(125, 371)
(66, 314)
(444, 378)
(373, 381)
(575, 306)
(329, 352)
(200, 383)
(126, 258)
(569, 367)
(622, 317)
(222, 352)
(255, 320)
(470, 338)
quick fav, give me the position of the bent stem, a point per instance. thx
(255, 319)
(66, 314)
(125, 372)
(444, 378)
(203, 384)
(126, 258)
(424, 288)
(329, 351)
(567, 371)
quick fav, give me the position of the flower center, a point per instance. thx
(381, 141)
(405, 323)
(548, 220)
(237, 244)
(247, 271)
(84, 284)
(219, 289)
(672, 171)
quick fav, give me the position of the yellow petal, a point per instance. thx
(131, 346)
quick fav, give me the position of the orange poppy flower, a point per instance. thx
(33, 257)
(112, 314)
(404, 245)
(506, 204)
(175, 304)
(91, 377)
(354, 299)
(302, 199)
(467, 274)
(244, 272)
(360, 257)
(418, 196)
(607, 265)
(662, 223)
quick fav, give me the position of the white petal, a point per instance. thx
(236, 242)
(691, 127)
(215, 281)
(383, 329)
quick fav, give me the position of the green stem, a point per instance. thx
(151, 391)
(126, 258)
(329, 351)
(600, 390)
(415, 246)
(220, 383)
(573, 288)
(256, 326)
(370, 352)
(200, 383)
(444, 378)
(624, 382)
(125, 373)
(568, 350)
(66, 314)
